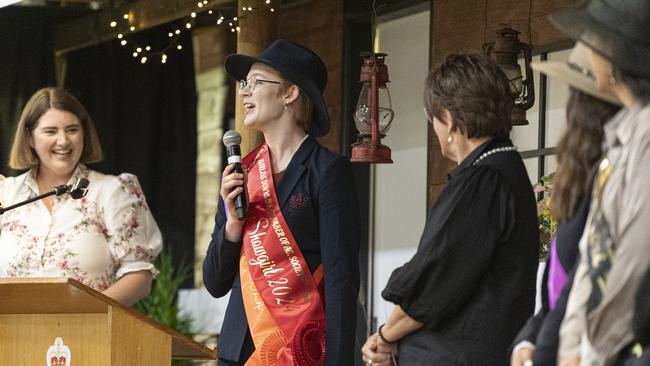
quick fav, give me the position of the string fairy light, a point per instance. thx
(146, 53)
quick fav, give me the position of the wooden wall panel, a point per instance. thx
(458, 26)
(319, 26)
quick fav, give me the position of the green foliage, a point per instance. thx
(547, 223)
(162, 303)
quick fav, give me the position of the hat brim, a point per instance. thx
(607, 41)
(561, 71)
(238, 66)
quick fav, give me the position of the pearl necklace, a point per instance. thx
(494, 151)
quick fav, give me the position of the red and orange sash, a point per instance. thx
(284, 309)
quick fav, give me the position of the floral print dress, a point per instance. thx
(95, 240)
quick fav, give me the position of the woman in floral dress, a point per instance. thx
(106, 239)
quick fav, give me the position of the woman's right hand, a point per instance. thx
(523, 357)
(232, 184)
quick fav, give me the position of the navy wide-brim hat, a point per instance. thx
(298, 64)
(619, 30)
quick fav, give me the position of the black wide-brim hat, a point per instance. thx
(619, 30)
(298, 64)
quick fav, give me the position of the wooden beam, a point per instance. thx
(143, 14)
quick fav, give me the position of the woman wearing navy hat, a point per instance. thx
(292, 265)
(614, 248)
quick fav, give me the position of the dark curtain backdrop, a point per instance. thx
(26, 65)
(145, 116)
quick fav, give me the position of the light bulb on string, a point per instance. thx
(123, 43)
(163, 58)
(113, 24)
(132, 29)
(179, 47)
(125, 16)
(120, 36)
(143, 59)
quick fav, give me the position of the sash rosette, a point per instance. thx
(283, 306)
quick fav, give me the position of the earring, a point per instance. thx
(285, 104)
(449, 139)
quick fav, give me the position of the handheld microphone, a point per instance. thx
(77, 189)
(232, 139)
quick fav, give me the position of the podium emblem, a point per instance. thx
(58, 354)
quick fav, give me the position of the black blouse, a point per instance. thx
(473, 276)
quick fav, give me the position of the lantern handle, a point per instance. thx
(530, 92)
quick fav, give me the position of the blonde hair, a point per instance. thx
(23, 156)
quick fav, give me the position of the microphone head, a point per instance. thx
(79, 188)
(231, 138)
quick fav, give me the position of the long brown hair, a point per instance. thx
(579, 152)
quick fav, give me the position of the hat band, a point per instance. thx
(586, 72)
(633, 26)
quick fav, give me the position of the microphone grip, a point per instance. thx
(240, 200)
(234, 157)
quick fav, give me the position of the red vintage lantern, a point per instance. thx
(373, 114)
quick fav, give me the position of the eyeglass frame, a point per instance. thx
(250, 84)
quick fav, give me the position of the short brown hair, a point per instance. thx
(22, 155)
(305, 107)
(475, 91)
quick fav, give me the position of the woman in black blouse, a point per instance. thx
(471, 285)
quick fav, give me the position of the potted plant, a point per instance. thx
(162, 303)
(547, 223)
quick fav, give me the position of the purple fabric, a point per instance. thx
(557, 276)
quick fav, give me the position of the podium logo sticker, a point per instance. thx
(58, 354)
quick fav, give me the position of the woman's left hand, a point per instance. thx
(377, 352)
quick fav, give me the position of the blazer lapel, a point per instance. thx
(295, 170)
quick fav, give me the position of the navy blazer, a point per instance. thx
(318, 201)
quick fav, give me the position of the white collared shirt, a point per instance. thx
(95, 240)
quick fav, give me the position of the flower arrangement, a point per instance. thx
(547, 223)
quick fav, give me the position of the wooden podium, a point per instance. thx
(94, 329)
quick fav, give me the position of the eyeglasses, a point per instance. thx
(251, 83)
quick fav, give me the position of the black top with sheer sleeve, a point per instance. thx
(472, 280)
